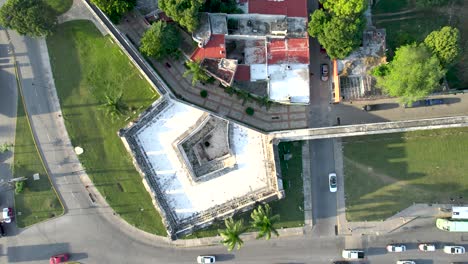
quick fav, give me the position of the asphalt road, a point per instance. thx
(324, 209)
(94, 235)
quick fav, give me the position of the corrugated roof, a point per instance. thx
(215, 48)
(290, 8)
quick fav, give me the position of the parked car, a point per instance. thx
(332, 182)
(352, 254)
(7, 215)
(426, 247)
(324, 72)
(368, 108)
(61, 258)
(426, 102)
(454, 250)
(396, 248)
(206, 259)
(406, 262)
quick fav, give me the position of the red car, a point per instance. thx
(61, 258)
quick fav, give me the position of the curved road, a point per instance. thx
(93, 234)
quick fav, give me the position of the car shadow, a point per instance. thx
(224, 257)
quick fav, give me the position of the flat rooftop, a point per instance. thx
(184, 197)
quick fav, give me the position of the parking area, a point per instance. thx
(390, 110)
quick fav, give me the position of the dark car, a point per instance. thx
(426, 102)
(324, 72)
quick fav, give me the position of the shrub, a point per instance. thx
(250, 111)
(204, 93)
(19, 186)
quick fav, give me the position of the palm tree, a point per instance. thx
(231, 235)
(114, 106)
(264, 221)
(197, 72)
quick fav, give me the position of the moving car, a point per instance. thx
(61, 258)
(454, 250)
(206, 259)
(7, 215)
(332, 182)
(426, 247)
(324, 72)
(425, 102)
(352, 254)
(406, 262)
(396, 248)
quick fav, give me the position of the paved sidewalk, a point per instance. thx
(306, 176)
(78, 11)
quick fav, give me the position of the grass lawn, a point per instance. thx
(86, 68)
(387, 173)
(60, 6)
(290, 209)
(38, 201)
(415, 24)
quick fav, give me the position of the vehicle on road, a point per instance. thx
(425, 102)
(396, 248)
(324, 72)
(332, 182)
(454, 249)
(7, 215)
(60, 258)
(452, 225)
(368, 108)
(426, 247)
(352, 254)
(206, 259)
(406, 262)
(460, 212)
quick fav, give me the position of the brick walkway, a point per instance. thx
(277, 117)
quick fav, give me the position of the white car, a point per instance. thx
(454, 250)
(206, 259)
(396, 248)
(406, 262)
(426, 247)
(332, 182)
(352, 254)
(7, 215)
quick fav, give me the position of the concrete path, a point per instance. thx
(79, 11)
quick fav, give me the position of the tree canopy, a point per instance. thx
(115, 9)
(339, 26)
(231, 235)
(413, 74)
(160, 40)
(345, 8)
(221, 6)
(197, 72)
(445, 44)
(28, 17)
(184, 12)
(263, 220)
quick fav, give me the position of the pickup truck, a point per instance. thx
(352, 254)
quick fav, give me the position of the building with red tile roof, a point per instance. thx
(290, 8)
(215, 49)
(284, 51)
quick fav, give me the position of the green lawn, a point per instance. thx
(60, 6)
(86, 67)
(416, 24)
(290, 209)
(38, 201)
(387, 173)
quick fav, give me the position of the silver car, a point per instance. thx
(454, 250)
